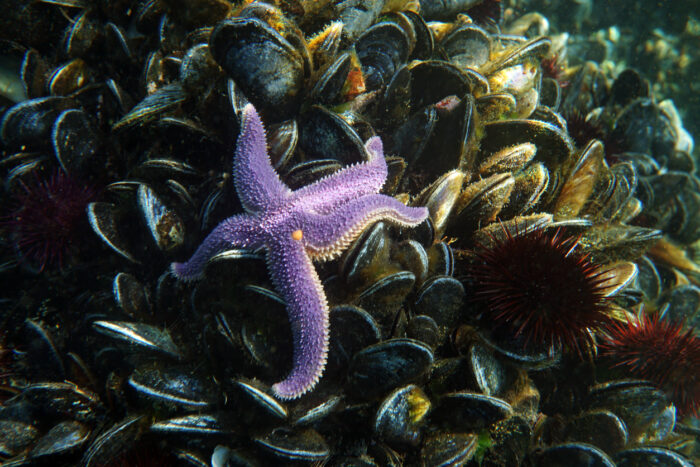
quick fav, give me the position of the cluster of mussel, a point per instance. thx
(144, 106)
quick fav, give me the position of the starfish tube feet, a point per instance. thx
(357, 180)
(328, 235)
(295, 278)
(234, 232)
(258, 185)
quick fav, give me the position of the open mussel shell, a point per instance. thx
(616, 277)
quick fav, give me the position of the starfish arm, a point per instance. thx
(235, 232)
(256, 181)
(296, 280)
(326, 236)
(347, 184)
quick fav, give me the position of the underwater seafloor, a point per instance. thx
(545, 314)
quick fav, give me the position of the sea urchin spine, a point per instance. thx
(660, 351)
(539, 287)
(47, 217)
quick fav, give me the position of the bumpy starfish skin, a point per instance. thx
(316, 222)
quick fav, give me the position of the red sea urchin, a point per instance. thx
(583, 130)
(552, 67)
(660, 351)
(46, 216)
(537, 286)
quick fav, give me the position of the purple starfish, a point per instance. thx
(316, 222)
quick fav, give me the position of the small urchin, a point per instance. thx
(46, 218)
(661, 351)
(538, 287)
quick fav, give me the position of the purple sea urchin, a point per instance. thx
(46, 216)
(536, 285)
